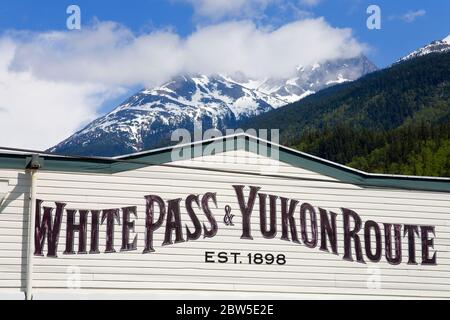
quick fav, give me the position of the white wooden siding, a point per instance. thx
(308, 272)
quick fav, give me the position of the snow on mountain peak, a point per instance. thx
(147, 119)
(447, 39)
(434, 47)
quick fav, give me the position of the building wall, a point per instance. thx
(308, 273)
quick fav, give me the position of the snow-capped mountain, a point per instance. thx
(310, 79)
(434, 47)
(147, 119)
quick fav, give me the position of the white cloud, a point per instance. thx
(110, 54)
(38, 113)
(252, 9)
(258, 52)
(310, 3)
(410, 16)
(105, 53)
(53, 82)
(217, 9)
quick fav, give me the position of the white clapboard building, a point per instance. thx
(224, 218)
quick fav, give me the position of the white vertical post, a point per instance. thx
(31, 222)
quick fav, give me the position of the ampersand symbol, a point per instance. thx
(228, 218)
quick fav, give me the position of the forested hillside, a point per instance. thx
(396, 120)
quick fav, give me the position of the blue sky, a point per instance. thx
(396, 37)
(70, 77)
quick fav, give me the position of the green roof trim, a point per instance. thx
(163, 156)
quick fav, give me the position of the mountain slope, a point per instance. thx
(310, 79)
(147, 119)
(376, 123)
(150, 115)
(438, 46)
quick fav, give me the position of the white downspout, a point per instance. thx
(32, 222)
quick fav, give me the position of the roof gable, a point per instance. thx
(246, 142)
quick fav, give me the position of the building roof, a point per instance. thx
(14, 159)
